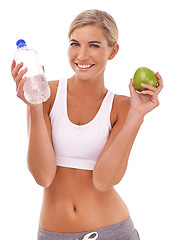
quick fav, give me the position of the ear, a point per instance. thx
(114, 51)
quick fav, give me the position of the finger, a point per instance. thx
(153, 96)
(21, 84)
(149, 87)
(20, 76)
(149, 92)
(160, 82)
(13, 65)
(16, 70)
(20, 92)
(131, 88)
(158, 75)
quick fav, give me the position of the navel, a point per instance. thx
(75, 210)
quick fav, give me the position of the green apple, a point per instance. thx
(144, 75)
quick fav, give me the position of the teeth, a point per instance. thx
(84, 66)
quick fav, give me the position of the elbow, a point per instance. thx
(104, 184)
(43, 183)
(100, 184)
(101, 187)
(42, 179)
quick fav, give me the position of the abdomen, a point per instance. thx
(73, 204)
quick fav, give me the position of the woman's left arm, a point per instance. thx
(112, 163)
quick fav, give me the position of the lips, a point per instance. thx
(84, 66)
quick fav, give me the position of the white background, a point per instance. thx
(144, 41)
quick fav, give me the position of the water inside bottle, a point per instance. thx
(36, 89)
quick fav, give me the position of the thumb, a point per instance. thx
(131, 88)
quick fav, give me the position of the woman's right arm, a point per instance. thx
(41, 156)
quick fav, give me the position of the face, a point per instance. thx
(89, 52)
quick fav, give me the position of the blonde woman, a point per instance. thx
(81, 138)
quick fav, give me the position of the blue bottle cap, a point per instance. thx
(21, 43)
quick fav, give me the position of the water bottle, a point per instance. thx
(36, 88)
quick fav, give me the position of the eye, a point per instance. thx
(94, 46)
(75, 44)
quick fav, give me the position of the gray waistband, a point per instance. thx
(116, 231)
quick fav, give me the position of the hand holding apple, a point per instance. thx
(146, 100)
(146, 76)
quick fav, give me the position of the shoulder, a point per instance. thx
(121, 105)
(121, 101)
(49, 103)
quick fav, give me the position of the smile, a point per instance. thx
(84, 66)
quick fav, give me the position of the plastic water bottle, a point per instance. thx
(36, 88)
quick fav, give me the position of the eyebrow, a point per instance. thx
(95, 42)
(73, 40)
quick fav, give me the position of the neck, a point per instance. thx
(87, 89)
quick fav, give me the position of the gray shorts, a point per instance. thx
(120, 231)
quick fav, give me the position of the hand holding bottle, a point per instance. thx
(33, 88)
(18, 76)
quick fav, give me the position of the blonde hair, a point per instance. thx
(99, 18)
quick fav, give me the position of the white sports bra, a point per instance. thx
(79, 146)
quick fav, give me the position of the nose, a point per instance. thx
(83, 54)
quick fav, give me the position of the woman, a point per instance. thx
(83, 136)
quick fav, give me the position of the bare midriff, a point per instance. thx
(73, 204)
